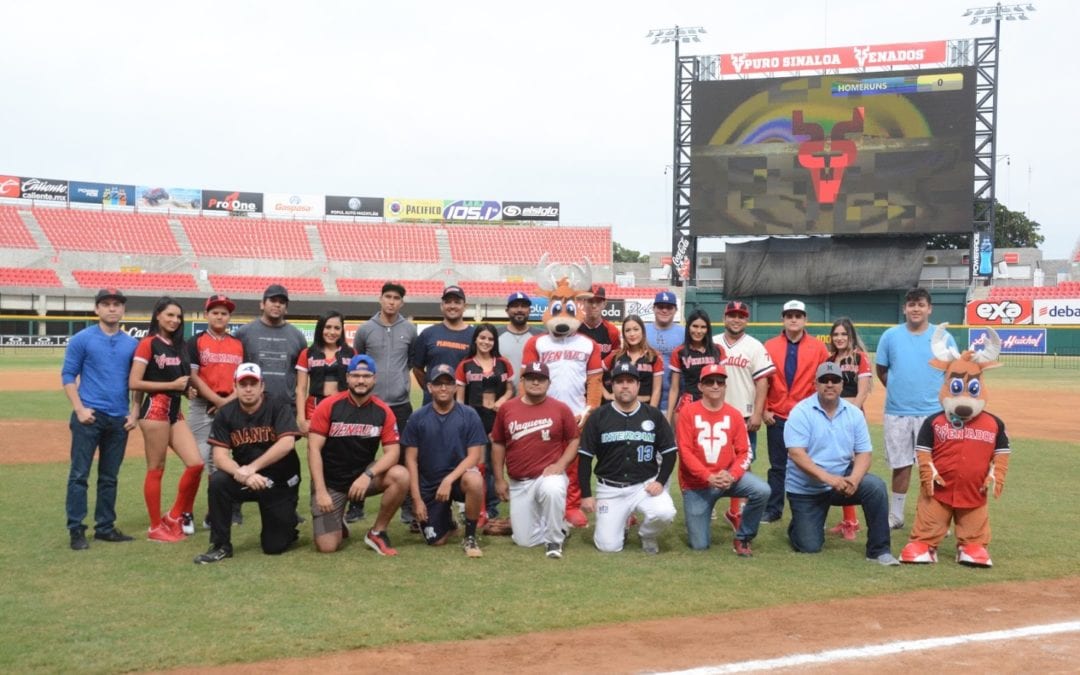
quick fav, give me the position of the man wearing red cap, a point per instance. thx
(214, 354)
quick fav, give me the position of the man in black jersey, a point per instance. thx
(253, 437)
(346, 431)
(634, 448)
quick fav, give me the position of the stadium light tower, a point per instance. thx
(986, 209)
(678, 35)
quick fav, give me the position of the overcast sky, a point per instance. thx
(561, 101)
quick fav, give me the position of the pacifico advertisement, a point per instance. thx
(414, 209)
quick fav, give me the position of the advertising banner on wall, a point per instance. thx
(863, 56)
(284, 204)
(530, 211)
(338, 205)
(232, 202)
(108, 194)
(150, 197)
(471, 210)
(44, 189)
(10, 187)
(1013, 340)
(414, 209)
(999, 312)
(1062, 311)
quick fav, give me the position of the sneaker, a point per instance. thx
(886, 559)
(472, 549)
(237, 516)
(919, 553)
(213, 554)
(742, 548)
(114, 535)
(733, 519)
(770, 518)
(174, 525)
(650, 546)
(164, 533)
(379, 542)
(355, 512)
(187, 524)
(847, 529)
(78, 539)
(553, 551)
(973, 555)
(895, 523)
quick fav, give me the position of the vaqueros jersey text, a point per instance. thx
(710, 441)
(353, 435)
(570, 360)
(535, 436)
(962, 456)
(627, 446)
(250, 435)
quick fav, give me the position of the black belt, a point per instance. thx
(613, 483)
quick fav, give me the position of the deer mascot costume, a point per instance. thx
(573, 359)
(963, 454)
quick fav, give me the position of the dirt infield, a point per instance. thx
(766, 633)
(1025, 412)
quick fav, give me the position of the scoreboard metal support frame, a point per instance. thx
(986, 93)
(686, 73)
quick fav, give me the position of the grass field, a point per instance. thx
(145, 606)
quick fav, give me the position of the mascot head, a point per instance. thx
(564, 312)
(962, 396)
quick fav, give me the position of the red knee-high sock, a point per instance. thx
(850, 514)
(736, 505)
(189, 487)
(573, 492)
(152, 494)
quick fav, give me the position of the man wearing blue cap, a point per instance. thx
(664, 334)
(513, 336)
(345, 433)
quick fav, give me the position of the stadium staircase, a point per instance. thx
(34, 227)
(318, 254)
(50, 257)
(187, 253)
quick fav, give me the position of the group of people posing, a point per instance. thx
(504, 419)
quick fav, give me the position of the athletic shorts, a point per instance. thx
(440, 515)
(161, 408)
(900, 434)
(325, 523)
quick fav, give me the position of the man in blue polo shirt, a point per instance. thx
(95, 378)
(664, 335)
(828, 465)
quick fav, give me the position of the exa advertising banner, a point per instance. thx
(530, 211)
(369, 207)
(108, 194)
(999, 312)
(45, 189)
(1013, 340)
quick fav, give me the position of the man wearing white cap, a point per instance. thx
(796, 355)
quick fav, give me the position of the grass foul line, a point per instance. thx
(872, 651)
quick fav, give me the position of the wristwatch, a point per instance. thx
(369, 473)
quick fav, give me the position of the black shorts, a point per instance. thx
(440, 515)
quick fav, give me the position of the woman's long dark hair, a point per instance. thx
(318, 341)
(710, 346)
(494, 334)
(177, 336)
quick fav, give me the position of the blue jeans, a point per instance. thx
(108, 434)
(807, 528)
(777, 469)
(698, 506)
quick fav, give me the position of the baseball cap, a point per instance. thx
(665, 298)
(713, 370)
(110, 294)
(737, 307)
(453, 290)
(828, 369)
(393, 286)
(624, 368)
(248, 371)
(517, 296)
(536, 368)
(793, 306)
(275, 291)
(441, 370)
(598, 291)
(219, 299)
(362, 363)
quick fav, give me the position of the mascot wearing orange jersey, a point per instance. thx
(963, 454)
(572, 359)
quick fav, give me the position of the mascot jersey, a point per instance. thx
(570, 360)
(962, 455)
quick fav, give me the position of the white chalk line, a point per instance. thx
(873, 651)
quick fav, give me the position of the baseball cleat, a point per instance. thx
(379, 542)
(472, 549)
(919, 553)
(213, 554)
(355, 512)
(174, 524)
(895, 523)
(553, 551)
(973, 555)
(742, 548)
(187, 524)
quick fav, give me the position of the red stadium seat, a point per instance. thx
(371, 287)
(13, 233)
(263, 238)
(136, 281)
(86, 230)
(255, 285)
(524, 245)
(27, 278)
(379, 242)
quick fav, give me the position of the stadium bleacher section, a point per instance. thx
(254, 285)
(370, 288)
(29, 278)
(263, 238)
(1065, 289)
(521, 245)
(381, 242)
(106, 231)
(136, 281)
(13, 234)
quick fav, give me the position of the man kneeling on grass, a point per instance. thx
(254, 439)
(346, 431)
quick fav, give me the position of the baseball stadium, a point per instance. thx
(803, 182)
